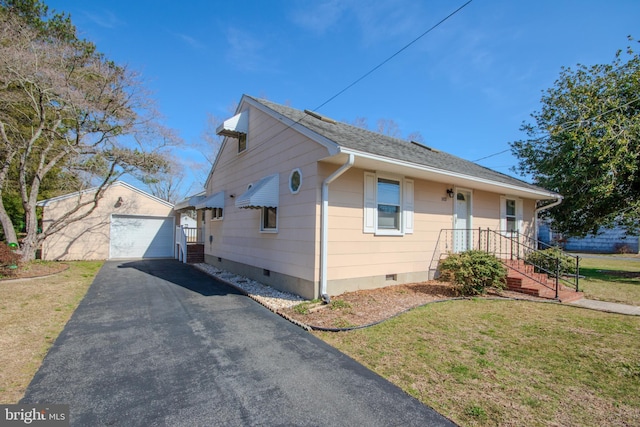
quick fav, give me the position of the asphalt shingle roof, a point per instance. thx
(366, 141)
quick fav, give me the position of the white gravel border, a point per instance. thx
(271, 298)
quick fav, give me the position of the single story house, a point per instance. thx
(316, 207)
(127, 223)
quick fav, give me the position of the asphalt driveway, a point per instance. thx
(159, 343)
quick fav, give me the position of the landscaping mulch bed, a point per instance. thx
(365, 307)
(34, 269)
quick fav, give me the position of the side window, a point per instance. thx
(269, 219)
(388, 205)
(511, 215)
(216, 213)
(511, 219)
(242, 142)
(388, 197)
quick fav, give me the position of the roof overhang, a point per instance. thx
(236, 125)
(215, 201)
(189, 202)
(372, 162)
(263, 194)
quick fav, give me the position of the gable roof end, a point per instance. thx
(46, 202)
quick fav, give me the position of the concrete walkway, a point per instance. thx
(610, 307)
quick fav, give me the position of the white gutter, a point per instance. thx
(540, 209)
(324, 225)
(451, 176)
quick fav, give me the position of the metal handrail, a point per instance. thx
(505, 245)
(181, 244)
(534, 247)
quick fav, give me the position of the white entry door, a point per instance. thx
(462, 234)
(141, 237)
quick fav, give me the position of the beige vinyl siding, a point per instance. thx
(271, 148)
(360, 260)
(89, 238)
(486, 210)
(354, 254)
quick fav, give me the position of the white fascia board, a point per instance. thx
(542, 195)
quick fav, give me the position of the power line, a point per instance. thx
(365, 75)
(568, 127)
(378, 66)
(491, 155)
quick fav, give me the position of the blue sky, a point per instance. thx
(466, 86)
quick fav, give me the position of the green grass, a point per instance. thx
(33, 313)
(609, 279)
(485, 362)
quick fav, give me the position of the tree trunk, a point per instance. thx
(7, 225)
(30, 241)
(28, 249)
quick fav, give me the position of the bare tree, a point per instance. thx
(169, 186)
(416, 136)
(388, 127)
(360, 122)
(63, 106)
(211, 140)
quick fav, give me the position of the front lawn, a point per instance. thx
(483, 362)
(610, 279)
(33, 312)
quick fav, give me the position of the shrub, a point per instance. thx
(8, 260)
(622, 248)
(473, 271)
(545, 261)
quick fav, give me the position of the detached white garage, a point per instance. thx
(127, 223)
(135, 236)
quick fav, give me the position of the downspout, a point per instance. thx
(324, 226)
(540, 209)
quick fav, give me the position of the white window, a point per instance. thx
(216, 214)
(269, 219)
(388, 204)
(510, 215)
(388, 193)
(242, 142)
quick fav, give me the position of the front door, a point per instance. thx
(462, 219)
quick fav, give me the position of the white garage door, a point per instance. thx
(141, 237)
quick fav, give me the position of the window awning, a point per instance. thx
(263, 194)
(189, 202)
(235, 125)
(212, 202)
